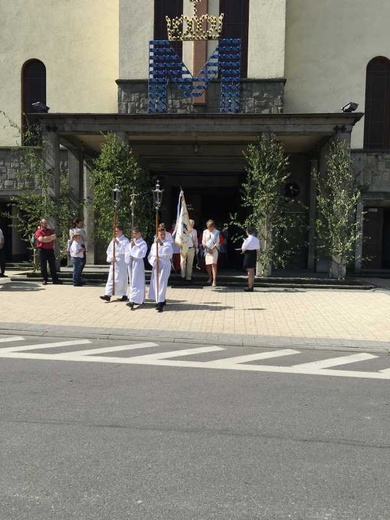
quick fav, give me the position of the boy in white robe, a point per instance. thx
(162, 265)
(120, 289)
(135, 254)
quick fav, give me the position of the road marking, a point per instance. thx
(47, 345)
(12, 338)
(177, 353)
(252, 357)
(319, 368)
(105, 350)
(334, 362)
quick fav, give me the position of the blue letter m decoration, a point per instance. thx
(165, 63)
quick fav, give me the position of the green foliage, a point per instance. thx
(337, 199)
(269, 211)
(35, 199)
(116, 164)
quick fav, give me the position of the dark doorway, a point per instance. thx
(386, 238)
(6, 227)
(373, 237)
(215, 203)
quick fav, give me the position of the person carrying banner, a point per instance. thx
(121, 244)
(134, 256)
(161, 268)
(210, 242)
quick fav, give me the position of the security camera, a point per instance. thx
(350, 107)
(40, 107)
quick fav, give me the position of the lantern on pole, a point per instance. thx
(157, 200)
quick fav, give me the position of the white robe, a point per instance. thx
(164, 270)
(120, 267)
(135, 259)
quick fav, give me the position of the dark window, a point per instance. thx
(377, 110)
(33, 89)
(235, 25)
(163, 8)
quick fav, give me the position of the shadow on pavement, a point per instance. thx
(21, 287)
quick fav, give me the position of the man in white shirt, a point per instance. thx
(2, 255)
(119, 287)
(187, 262)
(161, 264)
(135, 254)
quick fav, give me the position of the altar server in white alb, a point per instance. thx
(135, 255)
(162, 266)
(120, 287)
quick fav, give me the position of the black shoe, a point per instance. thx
(106, 298)
(248, 289)
(58, 282)
(131, 305)
(160, 307)
(2, 275)
(44, 282)
(77, 285)
(124, 299)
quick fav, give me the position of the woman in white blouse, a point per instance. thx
(210, 242)
(250, 248)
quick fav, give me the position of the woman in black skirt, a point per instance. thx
(249, 248)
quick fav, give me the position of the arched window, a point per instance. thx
(33, 88)
(236, 25)
(163, 8)
(377, 110)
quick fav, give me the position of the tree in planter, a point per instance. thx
(116, 164)
(337, 197)
(269, 211)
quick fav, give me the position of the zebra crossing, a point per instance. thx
(82, 350)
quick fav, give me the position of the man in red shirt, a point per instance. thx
(45, 244)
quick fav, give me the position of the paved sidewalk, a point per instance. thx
(267, 317)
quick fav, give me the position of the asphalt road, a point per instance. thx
(99, 441)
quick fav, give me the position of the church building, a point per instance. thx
(189, 84)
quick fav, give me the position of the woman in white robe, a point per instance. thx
(135, 255)
(121, 274)
(158, 290)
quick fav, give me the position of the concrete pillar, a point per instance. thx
(311, 261)
(51, 152)
(359, 243)
(76, 187)
(89, 214)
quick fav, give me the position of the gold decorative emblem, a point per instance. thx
(192, 28)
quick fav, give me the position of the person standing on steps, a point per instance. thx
(187, 262)
(45, 244)
(119, 287)
(135, 254)
(77, 255)
(250, 248)
(210, 242)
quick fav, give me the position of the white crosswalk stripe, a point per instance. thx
(322, 367)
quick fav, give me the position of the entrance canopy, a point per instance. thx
(150, 133)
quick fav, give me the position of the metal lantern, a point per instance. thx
(116, 196)
(157, 196)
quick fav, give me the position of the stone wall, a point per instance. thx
(257, 97)
(10, 164)
(11, 159)
(373, 171)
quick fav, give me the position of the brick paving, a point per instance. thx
(269, 316)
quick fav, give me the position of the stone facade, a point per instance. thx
(11, 159)
(10, 164)
(373, 171)
(256, 97)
